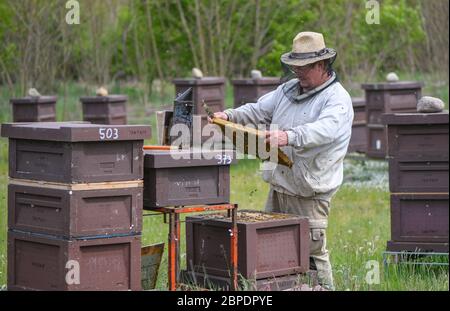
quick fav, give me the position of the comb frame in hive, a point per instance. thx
(282, 158)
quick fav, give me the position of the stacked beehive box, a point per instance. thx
(392, 97)
(110, 109)
(273, 250)
(183, 178)
(34, 109)
(418, 181)
(74, 206)
(249, 90)
(358, 141)
(207, 90)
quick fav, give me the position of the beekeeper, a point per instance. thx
(314, 114)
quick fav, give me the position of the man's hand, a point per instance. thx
(219, 115)
(277, 138)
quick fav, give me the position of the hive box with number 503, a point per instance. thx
(186, 177)
(75, 152)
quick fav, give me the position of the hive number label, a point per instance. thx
(223, 159)
(108, 133)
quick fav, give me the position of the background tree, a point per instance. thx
(156, 40)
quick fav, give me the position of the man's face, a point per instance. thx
(309, 76)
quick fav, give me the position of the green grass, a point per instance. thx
(359, 223)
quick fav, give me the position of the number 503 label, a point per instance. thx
(108, 133)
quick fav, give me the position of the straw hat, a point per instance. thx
(307, 48)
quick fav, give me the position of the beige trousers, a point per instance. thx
(317, 212)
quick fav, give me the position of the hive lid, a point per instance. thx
(188, 158)
(401, 85)
(415, 118)
(358, 102)
(104, 99)
(202, 81)
(74, 131)
(260, 81)
(34, 100)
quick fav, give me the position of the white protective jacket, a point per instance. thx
(318, 124)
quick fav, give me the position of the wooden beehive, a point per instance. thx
(75, 210)
(34, 109)
(393, 97)
(105, 109)
(75, 152)
(249, 90)
(178, 178)
(358, 141)
(269, 244)
(39, 262)
(418, 180)
(209, 90)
